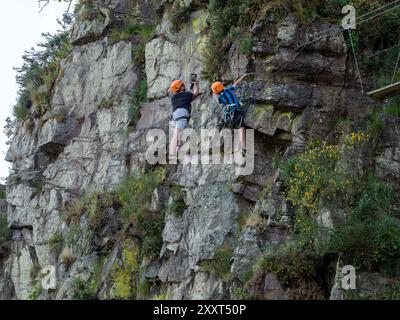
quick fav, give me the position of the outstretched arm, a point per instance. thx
(241, 79)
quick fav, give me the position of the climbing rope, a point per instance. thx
(383, 51)
(355, 59)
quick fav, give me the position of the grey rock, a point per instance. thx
(251, 193)
(273, 289)
(238, 188)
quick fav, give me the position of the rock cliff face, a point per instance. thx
(95, 145)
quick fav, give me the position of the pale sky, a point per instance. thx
(21, 26)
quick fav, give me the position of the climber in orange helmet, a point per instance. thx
(181, 110)
(233, 114)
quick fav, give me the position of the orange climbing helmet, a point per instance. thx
(217, 87)
(176, 85)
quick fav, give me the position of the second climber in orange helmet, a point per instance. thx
(181, 110)
(233, 114)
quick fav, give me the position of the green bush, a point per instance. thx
(82, 290)
(376, 124)
(128, 32)
(38, 74)
(56, 240)
(312, 175)
(221, 264)
(135, 195)
(125, 276)
(151, 226)
(290, 264)
(222, 17)
(370, 236)
(87, 290)
(246, 45)
(369, 239)
(393, 108)
(139, 96)
(177, 206)
(20, 112)
(136, 191)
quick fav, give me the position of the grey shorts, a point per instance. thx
(181, 117)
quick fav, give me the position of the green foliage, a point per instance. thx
(222, 18)
(376, 124)
(221, 264)
(56, 240)
(390, 294)
(151, 226)
(384, 65)
(332, 8)
(136, 191)
(75, 210)
(290, 264)
(143, 289)
(177, 206)
(4, 229)
(36, 291)
(311, 175)
(87, 290)
(246, 45)
(353, 41)
(82, 290)
(138, 54)
(179, 15)
(370, 243)
(393, 108)
(20, 111)
(139, 96)
(135, 194)
(37, 185)
(144, 31)
(38, 74)
(242, 294)
(321, 174)
(90, 10)
(369, 238)
(94, 205)
(77, 240)
(125, 276)
(295, 260)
